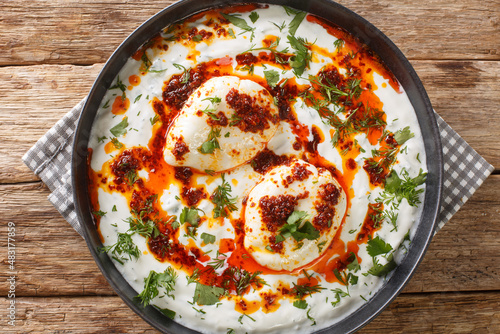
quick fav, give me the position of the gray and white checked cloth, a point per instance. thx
(50, 158)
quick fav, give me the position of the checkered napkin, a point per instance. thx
(50, 158)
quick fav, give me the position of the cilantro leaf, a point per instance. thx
(240, 23)
(378, 246)
(396, 188)
(401, 136)
(272, 77)
(295, 23)
(207, 295)
(207, 238)
(300, 61)
(382, 270)
(298, 228)
(167, 312)
(354, 265)
(297, 217)
(190, 216)
(120, 129)
(254, 17)
(302, 304)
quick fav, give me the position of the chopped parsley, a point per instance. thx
(192, 218)
(99, 213)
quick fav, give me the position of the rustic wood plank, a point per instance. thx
(33, 98)
(52, 259)
(86, 32)
(436, 313)
(467, 95)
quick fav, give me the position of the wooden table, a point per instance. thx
(51, 52)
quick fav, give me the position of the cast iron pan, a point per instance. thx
(330, 11)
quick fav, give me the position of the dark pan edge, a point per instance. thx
(363, 30)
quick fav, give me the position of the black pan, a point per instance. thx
(342, 17)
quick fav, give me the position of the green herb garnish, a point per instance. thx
(295, 23)
(154, 281)
(120, 129)
(402, 136)
(124, 248)
(211, 144)
(222, 199)
(116, 143)
(300, 61)
(207, 238)
(254, 17)
(240, 23)
(272, 77)
(207, 295)
(185, 73)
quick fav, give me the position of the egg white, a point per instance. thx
(236, 146)
(294, 254)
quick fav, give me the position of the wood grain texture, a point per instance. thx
(87, 32)
(434, 313)
(52, 259)
(33, 98)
